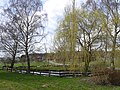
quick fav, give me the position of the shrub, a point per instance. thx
(100, 80)
(106, 76)
(100, 76)
(98, 66)
(114, 77)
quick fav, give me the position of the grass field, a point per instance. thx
(39, 65)
(45, 66)
(15, 81)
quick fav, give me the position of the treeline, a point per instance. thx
(93, 27)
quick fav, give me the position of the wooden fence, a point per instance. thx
(58, 73)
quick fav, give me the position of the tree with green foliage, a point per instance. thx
(90, 32)
(65, 39)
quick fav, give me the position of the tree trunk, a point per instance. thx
(13, 62)
(28, 60)
(87, 61)
(14, 55)
(112, 65)
(86, 69)
(112, 58)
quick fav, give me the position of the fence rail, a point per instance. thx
(58, 73)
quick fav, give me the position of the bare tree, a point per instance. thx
(9, 39)
(28, 19)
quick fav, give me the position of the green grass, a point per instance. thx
(45, 66)
(33, 63)
(15, 81)
(40, 65)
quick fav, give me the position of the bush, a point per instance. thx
(106, 76)
(100, 80)
(98, 66)
(100, 76)
(114, 77)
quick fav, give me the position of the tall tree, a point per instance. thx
(79, 27)
(89, 32)
(66, 35)
(110, 13)
(9, 39)
(113, 26)
(28, 20)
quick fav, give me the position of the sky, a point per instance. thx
(55, 11)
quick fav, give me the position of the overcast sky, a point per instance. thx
(55, 10)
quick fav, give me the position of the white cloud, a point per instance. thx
(55, 10)
(3, 2)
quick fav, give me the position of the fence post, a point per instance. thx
(49, 73)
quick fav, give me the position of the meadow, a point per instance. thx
(16, 81)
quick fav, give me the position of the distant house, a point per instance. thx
(38, 56)
(35, 57)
